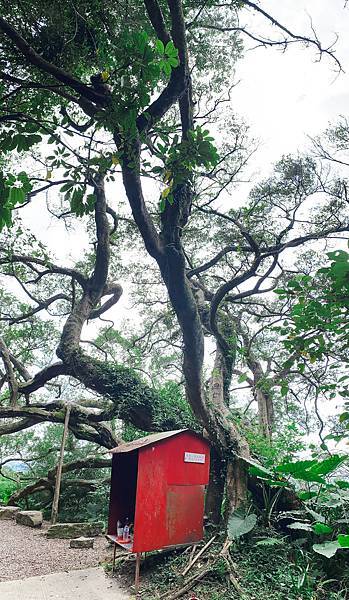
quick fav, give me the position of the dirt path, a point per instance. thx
(87, 584)
(25, 552)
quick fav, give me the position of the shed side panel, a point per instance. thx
(150, 518)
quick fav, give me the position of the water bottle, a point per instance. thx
(126, 533)
(119, 531)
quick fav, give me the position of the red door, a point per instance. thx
(184, 513)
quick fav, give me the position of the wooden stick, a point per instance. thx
(114, 555)
(138, 565)
(187, 569)
(191, 554)
(54, 513)
(189, 584)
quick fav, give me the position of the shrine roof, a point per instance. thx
(148, 440)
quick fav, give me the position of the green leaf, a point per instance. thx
(316, 516)
(276, 483)
(270, 542)
(329, 464)
(160, 46)
(167, 68)
(170, 49)
(90, 201)
(157, 169)
(343, 485)
(258, 470)
(343, 541)
(306, 495)
(66, 187)
(284, 390)
(322, 528)
(21, 142)
(16, 196)
(5, 217)
(174, 62)
(238, 526)
(295, 467)
(140, 40)
(34, 139)
(311, 470)
(327, 549)
(338, 256)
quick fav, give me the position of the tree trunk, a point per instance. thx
(265, 412)
(261, 392)
(215, 489)
(238, 449)
(237, 485)
(55, 503)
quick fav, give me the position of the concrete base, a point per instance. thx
(87, 584)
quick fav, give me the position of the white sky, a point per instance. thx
(287, 96)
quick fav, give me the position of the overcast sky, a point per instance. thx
(287, 96)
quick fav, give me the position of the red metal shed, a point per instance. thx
(158, 483)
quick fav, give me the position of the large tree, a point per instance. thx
(117, 94)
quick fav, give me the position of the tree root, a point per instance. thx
(231, 569)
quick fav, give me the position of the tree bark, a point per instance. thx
(12, 383)
(265, 412)
(215, 489)
(261, 392)
(236, 468)
(237, 485)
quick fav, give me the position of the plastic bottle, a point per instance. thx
(126, 533)
(119, 530)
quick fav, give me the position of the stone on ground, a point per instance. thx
(81, 542)
(8, 512)
(74, 530)
(30, 518)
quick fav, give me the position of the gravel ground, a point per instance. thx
(25, 552)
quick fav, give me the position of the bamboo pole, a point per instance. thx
(55, 502)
